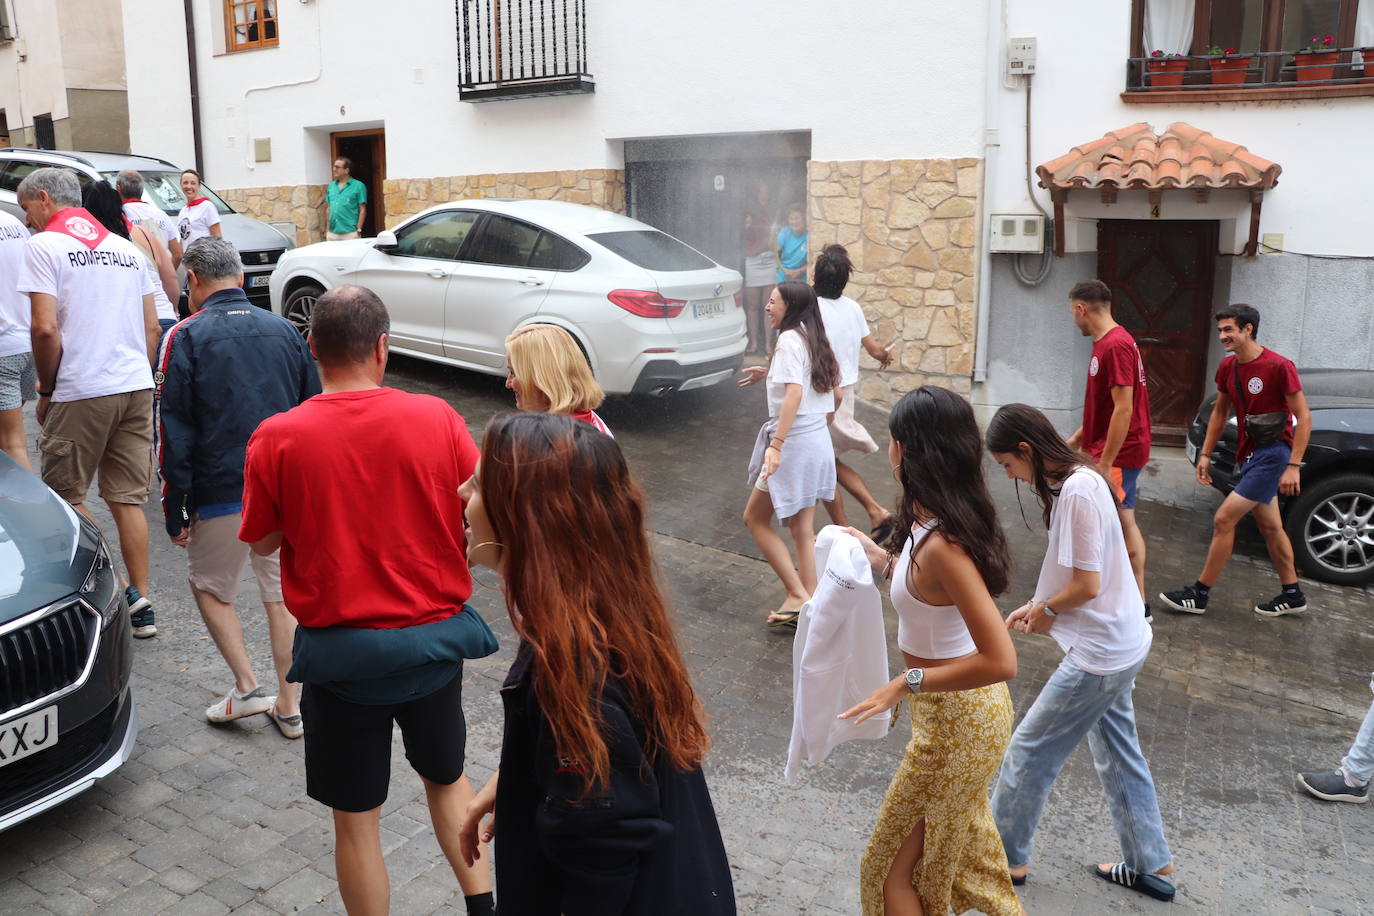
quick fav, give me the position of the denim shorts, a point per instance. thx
(1259, 476)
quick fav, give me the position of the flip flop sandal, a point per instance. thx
(785, 619)
(1019, 880)
(1151, 885)
(882, 531)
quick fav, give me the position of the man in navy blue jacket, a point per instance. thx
(219, 374)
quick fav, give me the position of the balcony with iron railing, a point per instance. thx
(1252, 76)
(520, 49)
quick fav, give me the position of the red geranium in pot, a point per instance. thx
(1229, 66)
(1318, 60)
(1166, 68)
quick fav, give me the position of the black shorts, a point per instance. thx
(348, 745)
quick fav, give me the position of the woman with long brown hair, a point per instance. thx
(935, 846)
(600, 803)
(793, 463)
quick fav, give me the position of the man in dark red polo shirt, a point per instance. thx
(359, 487)
(1116, 410)
(1256, 381)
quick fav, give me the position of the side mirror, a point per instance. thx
(386, 241)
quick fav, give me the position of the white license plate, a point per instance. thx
(28, 735)
(1190, 450)
(708, 309)
(258, 281)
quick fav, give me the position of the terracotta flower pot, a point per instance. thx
(1230, 71)
(1316, 65)
(1166, 71)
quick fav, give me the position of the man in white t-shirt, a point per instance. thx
(16, 362)
(94, 332)
(129, 184)
(847, 328)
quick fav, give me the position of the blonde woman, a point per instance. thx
(550, 374)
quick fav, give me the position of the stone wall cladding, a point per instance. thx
(304, 204)
(911, 229)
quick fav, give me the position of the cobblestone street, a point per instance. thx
(209, 820)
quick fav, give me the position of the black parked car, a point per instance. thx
(67, 714)
(1331, 522)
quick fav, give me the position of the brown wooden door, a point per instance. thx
(367, 149)
(1161, 277)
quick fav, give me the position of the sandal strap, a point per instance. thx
(1121, 873)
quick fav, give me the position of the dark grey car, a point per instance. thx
(1331, 522)
(67, 715)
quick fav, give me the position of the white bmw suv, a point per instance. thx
(651, 313)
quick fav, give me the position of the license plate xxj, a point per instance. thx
(28, 735)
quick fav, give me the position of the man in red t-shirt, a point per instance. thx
(359, 487)
(1116, 410)
(1255, 381)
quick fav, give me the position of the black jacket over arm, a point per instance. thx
(648, 845)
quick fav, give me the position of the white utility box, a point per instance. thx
(1018, 233)
(1021, 56)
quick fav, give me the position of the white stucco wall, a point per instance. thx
(36, 84)
(1318, 205)
(158, 80)
(93, 42)
(884, 82)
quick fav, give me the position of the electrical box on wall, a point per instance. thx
(1021, 56)
(1018, 233)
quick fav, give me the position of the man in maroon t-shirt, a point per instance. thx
(1255, 381)
(1116, 410)
(359, 487)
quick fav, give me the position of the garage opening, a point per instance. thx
(700, 189)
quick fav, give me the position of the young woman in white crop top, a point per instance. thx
(935, 845)
(1087, 599)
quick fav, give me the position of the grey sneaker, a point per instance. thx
(1329, 785)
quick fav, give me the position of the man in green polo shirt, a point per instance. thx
(347, 199)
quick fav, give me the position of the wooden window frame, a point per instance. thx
(231, 42)
(1271, 38)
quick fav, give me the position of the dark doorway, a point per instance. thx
(43, 135)
(698, 189)
(1161, 277)
(367, 149)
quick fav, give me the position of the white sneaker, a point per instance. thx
(290, 726)
(234, 705)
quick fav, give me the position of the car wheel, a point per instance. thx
(1331, 525)
(299, 306)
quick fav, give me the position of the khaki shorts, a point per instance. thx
(341, 236)
(217, 558)
(111, 435)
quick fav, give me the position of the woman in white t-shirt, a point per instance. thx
(102, 202)
(200, 216)
(1088, 600)
(793, 463)
(847, 327)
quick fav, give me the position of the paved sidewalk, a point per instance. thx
(211, 820)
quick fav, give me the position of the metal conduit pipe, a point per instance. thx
(189, 13)
(996, 32)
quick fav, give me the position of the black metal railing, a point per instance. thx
(1256, 70)
(522, 48)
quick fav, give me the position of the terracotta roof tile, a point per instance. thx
(1136, 157)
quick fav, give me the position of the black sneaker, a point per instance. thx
(1329, 785)
(1186, 600)
(1281, 604)
(141, 617)
(1149, 618)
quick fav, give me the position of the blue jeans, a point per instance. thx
(1073, 704)
(1360, 761)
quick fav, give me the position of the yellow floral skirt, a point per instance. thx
(957, 742)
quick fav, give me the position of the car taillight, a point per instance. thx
(646, 304)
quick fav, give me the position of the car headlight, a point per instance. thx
(101, 588)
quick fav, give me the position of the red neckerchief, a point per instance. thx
(198, 200)
(80, 225)
(132, 200)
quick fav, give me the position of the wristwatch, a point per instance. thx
(1049, 611)
(914, 677)
(44, 394)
